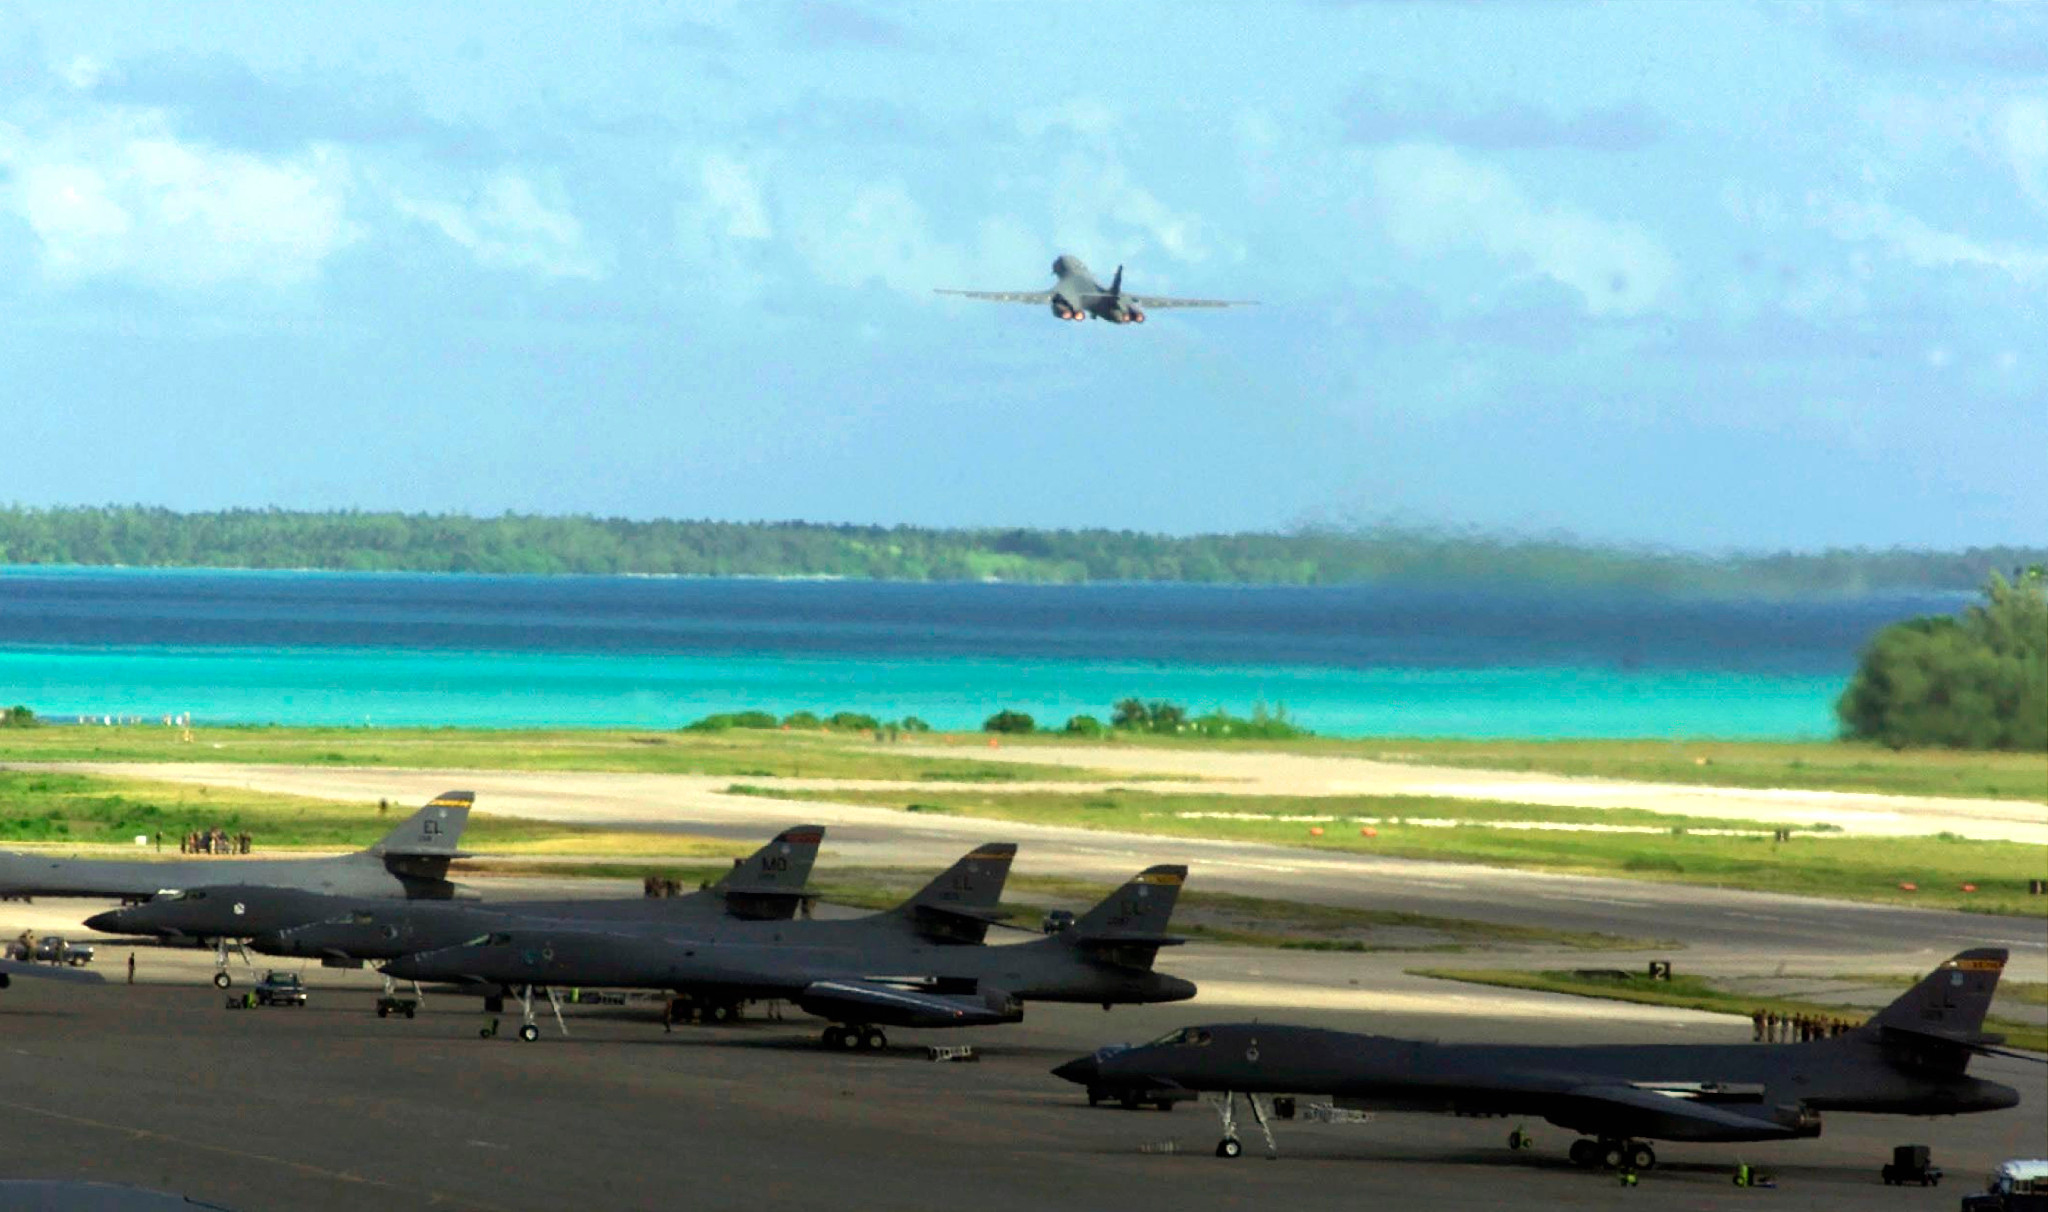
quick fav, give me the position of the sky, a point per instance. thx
(1706, 276)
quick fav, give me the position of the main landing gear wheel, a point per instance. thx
(1229, 1146)
(222, 980)
(529, 1033)
(842, 1039)
(872, 1039)
(1641, 1156)
(1584, 1153)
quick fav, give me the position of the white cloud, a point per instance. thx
(1434, 200)
(83, 72)
(2024, 132)
(732, 194)
(1915, 241)
(120, 195)
(507, 226)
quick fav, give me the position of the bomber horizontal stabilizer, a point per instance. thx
(1129, 940)
(1669, 1116)
(864, 1001)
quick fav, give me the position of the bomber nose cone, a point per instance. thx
(110, 922)
(1082, 1070)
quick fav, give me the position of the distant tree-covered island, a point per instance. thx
(140, 536)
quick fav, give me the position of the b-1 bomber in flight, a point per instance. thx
(1078, 296)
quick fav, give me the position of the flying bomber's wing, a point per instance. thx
(1149, 302)
(1037, 298)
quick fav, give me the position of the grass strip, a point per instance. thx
(1871, 869)
(1697, 993)
(735, 753)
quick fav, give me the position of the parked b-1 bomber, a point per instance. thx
(924, 963)
(1911, 1059)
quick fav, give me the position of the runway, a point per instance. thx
(1719, 930)
(329, 1107)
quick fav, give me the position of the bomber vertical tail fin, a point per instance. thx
(1939, 1022)
(1129, 926)
(769, 884)
(1951, 1001)
(432, 832)
(1116, 284)
(960, 905)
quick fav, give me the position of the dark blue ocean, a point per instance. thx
(340, 648)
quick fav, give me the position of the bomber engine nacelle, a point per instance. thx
(1067, 311)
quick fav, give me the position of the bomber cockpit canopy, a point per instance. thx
(1185, 1037)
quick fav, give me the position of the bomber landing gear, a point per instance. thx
(855, 1039)
(1612, 1154)
(528, 1031)
(1230, 1146)
(221, 979)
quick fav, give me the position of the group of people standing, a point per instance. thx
(1775, 1028)
(213, 841)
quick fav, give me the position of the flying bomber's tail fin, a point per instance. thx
(960, 904)
(1116, 284)
(769, 884)
(1129, 926)
(432, 832)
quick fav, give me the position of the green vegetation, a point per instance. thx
(136, 536)
(1674, 848)
(1009, 721)
(1975, 682)
(76, 809)
(1695, 993)
(17, 716)
(737, 753)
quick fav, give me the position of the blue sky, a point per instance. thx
(1701, 275)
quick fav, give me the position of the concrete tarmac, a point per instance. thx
(329, 1107)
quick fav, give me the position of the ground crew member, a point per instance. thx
(131, 967)
(1756, 1018)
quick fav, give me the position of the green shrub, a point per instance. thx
(733, 719)
(1084, 725)
(1978, 681)
(1008, 721)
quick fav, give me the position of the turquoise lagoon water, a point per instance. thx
(319, 648)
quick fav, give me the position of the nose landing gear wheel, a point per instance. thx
(529, 1033)
(1229, 1146)
(222, 980)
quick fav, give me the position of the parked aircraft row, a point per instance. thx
(921, 964)
(926, 963)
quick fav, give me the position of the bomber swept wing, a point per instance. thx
(1151, 301)
(1037, 298)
